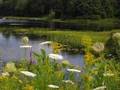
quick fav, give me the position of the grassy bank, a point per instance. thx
(71, 38)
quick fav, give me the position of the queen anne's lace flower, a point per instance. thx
(26, 46)
(53, 86)
(73, 70)
(27, 73)
(46, 42)
(98, 47)
(100, 88)
(55, 56)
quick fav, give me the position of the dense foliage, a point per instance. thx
(61, 8)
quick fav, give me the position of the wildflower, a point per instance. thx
(46, 42)
(57, 47)
(73, 70)
(28, 87)
(100, 88)
(116, 36)
(26, 46)
(108, 74)
(27, 73)
(98, 47)
(10, 67)
(53, 86)
(55, 56)
(88, 58)
(68, 81)
(5, 74)
(88, 78)
(25, 40)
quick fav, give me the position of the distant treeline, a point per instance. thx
(93, 9)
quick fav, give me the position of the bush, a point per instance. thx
(113, 45)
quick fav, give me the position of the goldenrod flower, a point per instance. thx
(88, 78)
(88, 58)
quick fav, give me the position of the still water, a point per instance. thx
(10, 50)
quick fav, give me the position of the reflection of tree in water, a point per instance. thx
(6, 32)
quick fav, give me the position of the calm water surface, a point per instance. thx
(10, 50)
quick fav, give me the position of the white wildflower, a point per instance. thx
(26, 46)
(27, 73)
(46, 42)
(108, 74)
(73, 70)
(5, 74)
(53, 86)
(116, 36)
(100, 88)
(55, 56)
(68, 81)
(98, 47)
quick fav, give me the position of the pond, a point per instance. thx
(10, 50)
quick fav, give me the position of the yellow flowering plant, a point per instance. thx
(89, 58)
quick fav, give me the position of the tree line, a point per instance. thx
(92, 9)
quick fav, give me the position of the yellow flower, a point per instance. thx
(88, 78)
(56, 47)
(28, 87)
(88, 58)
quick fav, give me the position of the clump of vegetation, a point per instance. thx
(113, 45)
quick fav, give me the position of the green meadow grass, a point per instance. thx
(64, 36)
(72, 38)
